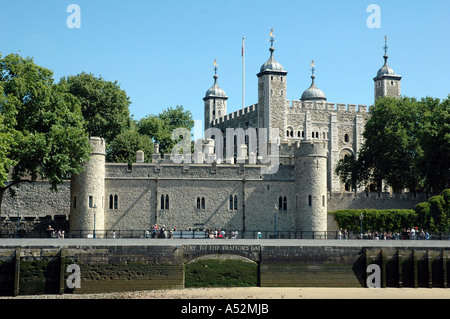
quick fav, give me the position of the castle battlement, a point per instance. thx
(235, 115)
(297, 105)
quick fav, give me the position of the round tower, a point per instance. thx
(311, 187)
(87, 193)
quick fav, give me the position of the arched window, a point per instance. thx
(235, 202)
(231, 202)
(290, 132)
(116, 201)
(198, 202)
(111, 202)
(203, 203)
(162, 201)
(167, 202)
(284, 203)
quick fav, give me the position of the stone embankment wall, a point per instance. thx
(107, 266)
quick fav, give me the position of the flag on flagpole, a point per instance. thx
(243, 45)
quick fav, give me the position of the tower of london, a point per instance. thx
(233, 191)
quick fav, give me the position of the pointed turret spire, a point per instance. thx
(271, 64)
(313, 93)
(215, 90)
(385, 50)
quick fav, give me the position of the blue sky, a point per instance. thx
(162, 52)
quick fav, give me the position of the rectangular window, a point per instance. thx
(91, 202)
(323, 201)
(309, 200)
(74, 202)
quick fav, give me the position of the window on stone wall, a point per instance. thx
(165, 202)
(201, 203)
(74, 202)
(323, 200)
(91, 201)
(282, 203)
(346, 138)
(113, 201)
(290, 132)
(233, 202)
(309, 200)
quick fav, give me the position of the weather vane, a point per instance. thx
(385, 45)
(272, 39)
(312, 67)
(215, 66)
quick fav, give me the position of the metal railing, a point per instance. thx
(209, 234)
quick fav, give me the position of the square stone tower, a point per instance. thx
(272, 101)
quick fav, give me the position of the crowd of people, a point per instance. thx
(412, 233)
(161, 231)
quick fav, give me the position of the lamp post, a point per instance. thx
(275, 224)
(95, 209)
(361, 220)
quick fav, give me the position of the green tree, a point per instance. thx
(406, 144)
(42, 124)
(160, 127)
(124, 147)
(434, 136)
(434, 214)
(104, 105)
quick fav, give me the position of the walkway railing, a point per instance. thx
(228, 234)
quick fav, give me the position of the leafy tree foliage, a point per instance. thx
(406, 144)
(104, 105)
(42, 126)
(124, 147)
(160, 127)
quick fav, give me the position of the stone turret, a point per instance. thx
(87, 192)
(311, 186)
(272, 92)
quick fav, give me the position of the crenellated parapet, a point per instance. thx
(298, 105)
(236, 115)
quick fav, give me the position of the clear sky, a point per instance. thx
(162, 52)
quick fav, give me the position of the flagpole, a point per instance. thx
(243, 73)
